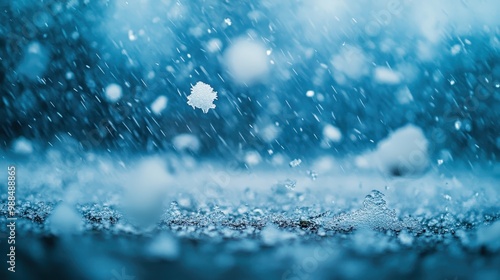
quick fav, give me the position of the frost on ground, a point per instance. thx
(374, 215)
(235, 213)
(202, 96)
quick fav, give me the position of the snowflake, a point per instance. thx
(202, 96)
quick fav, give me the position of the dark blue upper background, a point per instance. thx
(57, 58)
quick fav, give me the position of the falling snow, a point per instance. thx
(202, 96)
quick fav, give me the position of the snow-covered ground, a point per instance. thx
(152, 215)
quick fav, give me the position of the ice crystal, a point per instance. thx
(202, 96)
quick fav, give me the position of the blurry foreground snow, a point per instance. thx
(246, 61)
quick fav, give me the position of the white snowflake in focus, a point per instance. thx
(202, 96)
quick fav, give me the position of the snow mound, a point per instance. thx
(404, 152)
(202, 96)
(374, 215)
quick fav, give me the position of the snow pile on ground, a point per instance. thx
(403, 152)
(374, 215)
(232, 209)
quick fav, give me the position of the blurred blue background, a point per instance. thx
(350, 139)
(369, 68)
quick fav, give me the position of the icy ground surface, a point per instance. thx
(113, 219)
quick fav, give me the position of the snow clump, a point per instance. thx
(202, 96)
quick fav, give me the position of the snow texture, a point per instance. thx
(202, 96)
